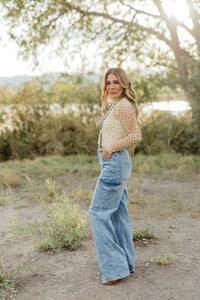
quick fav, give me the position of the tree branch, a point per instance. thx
(138, 11)
(120, 21)
(172, 27)
(62, 12)
(195, 20)
(180, 54)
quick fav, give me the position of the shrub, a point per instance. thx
(7, 282)
(164, 260)
(143, 234)
(64, 227)
(36, 133)
(163, 132)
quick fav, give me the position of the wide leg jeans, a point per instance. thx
(110, 219)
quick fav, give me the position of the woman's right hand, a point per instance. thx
(105, 154)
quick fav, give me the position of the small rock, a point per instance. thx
(145, 243)
(172, 226)
(148, 273)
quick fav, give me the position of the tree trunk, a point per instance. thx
(189, 74)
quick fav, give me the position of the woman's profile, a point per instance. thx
(119, 129)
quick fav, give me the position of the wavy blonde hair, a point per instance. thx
(128, 91)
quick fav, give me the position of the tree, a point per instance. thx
(146, 31)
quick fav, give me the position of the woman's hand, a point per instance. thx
(105, 153)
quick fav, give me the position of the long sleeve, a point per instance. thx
(124, 130)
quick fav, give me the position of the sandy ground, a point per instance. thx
(75, 275)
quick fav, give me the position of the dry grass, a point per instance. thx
(9, 177)
(29, 176)
(80, 194)
(7, 194)
(156, 206)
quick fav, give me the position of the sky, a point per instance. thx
(11, 64)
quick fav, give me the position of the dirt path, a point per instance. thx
(75, 275)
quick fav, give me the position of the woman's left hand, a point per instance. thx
(105, 153)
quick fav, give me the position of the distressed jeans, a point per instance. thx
(110, 219)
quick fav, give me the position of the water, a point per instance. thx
(175, 106)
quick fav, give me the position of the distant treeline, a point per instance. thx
(37, 131)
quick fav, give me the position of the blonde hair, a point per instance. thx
(125, 82)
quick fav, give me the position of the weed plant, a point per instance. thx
(163, 132)
(87, 165)
(146, 234)
(64, 226)
(156, 164)
(37, 132)
(6, 194)
(164, 260)
(35, 170)
(7, 282)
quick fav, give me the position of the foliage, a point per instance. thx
(65, 89)
(7, 282)
(164, 260)
(64, 227)
(40, 129)
(149, 33)
(152, 87)
(78, 89)
(143, 234)
(163, 132)
(37, 135)
(6, 193)
(86, 21)
(131, 31)
(82, 165)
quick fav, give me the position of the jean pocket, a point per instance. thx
(126, 167)
(111, 171)
(106, 194)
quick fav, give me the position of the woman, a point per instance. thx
(120, 128)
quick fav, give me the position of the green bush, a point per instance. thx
(64, 227)
(163, 132)
(140, 235)
(7, 282)
(37, 132)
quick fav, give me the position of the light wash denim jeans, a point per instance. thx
(110, 219)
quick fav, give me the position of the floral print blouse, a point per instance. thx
(120, 129)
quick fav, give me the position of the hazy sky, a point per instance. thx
(11, 64)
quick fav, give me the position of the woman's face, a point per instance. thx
(113, 88)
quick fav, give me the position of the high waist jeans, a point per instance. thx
(110, 219)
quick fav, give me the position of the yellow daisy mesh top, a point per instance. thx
(120, 129)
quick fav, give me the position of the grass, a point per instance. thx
(194, 209)
(152, 165)
(7, 282)
(80, 194)
(71, 172)
(14, 173)
(64, 226)
(6, 194)
(141, 235)
(9, 176)
(172, 207)
(164, 260)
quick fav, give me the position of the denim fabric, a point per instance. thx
(110, 219)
